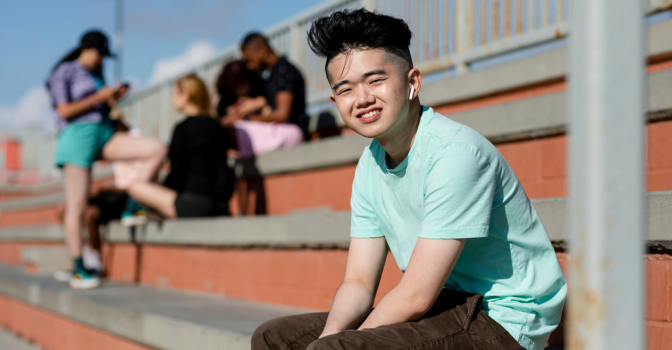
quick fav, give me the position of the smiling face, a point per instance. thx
(370, 89)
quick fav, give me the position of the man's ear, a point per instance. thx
(415, 79)
(333, 99)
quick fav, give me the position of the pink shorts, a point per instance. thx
(255, 138)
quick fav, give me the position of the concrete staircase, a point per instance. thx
(146, 317)
(208, 283)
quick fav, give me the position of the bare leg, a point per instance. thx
(242, 196)
(157, 197)
(77, 182)
(146, 149)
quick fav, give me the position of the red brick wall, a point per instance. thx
(53, 332)
(539, 165)
(659, 299)
(30, 217)
(659, 156)
(326, 188)
(306, 278)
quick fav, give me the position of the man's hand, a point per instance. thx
(230, 119)
(431, 263)
(282, 111)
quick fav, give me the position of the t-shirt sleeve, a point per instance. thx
(59, 86)
(363, 222)
(459, 191)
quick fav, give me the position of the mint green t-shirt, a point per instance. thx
(455, 184)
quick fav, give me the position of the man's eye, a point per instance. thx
(343, 91)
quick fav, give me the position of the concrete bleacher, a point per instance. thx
(146, 317)
(206, 283)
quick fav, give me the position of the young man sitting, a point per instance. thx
(479, 268)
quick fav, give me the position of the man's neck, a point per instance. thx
(398, 143)
(271, 59)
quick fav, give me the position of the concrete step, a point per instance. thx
(150, 317)
(9, 341)
(46, 260)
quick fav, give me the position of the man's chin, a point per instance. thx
(370, 133)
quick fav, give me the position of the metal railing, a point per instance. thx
(448, 35)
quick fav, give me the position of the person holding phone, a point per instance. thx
(85, 133)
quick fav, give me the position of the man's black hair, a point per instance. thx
(347, 30)
(254, 40)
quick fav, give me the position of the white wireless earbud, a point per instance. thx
(410, 97)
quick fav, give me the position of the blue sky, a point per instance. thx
(35, 34)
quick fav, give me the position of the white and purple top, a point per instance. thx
(71, 82)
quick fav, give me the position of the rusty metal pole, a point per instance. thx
(606, 182)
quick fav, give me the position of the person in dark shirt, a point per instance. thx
(284, 122)
(236, 84)
(200, 182)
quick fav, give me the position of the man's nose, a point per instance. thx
(365, 97)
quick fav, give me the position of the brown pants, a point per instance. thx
(453, 322)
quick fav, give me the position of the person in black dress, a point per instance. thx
(200, 182)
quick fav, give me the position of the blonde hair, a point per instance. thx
(198, 93)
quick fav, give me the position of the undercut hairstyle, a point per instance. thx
(347, 30)
(253, 41)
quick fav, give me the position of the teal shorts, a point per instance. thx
(80, 144)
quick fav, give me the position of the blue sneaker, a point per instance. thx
(134, 214)
(81, 279)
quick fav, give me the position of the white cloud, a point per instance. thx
(197, 53)
(33, 112)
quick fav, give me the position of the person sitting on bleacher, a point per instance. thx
(236, 85)
(284, 123)
(240, 87)
(200, 182)
(479, 269)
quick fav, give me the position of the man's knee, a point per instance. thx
(327, 343)
(279, 332)
(267, 335)
(160, 150)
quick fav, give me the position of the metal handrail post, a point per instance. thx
(606, 175)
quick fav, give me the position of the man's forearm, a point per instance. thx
(351, 305)
(273, 117)
(71, 110)
(399, 305)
